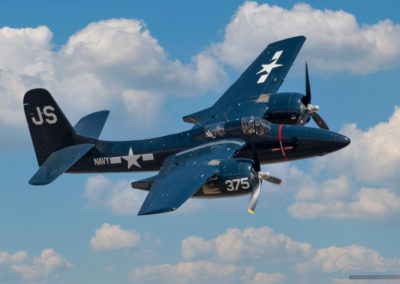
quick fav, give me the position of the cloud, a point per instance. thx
(101, 65)
(117, 196)
(330, 189)
(343, 261)
(373, 155)
(138, 63)
(6, 257)
(340, 199)
(109, 59)
(251, 243)
(311, 265)
(25, 61)
(141, 104)
(109, 237)
(368, 177)
(368, 203)
(41, 267)
(335, 40)
(202, 272)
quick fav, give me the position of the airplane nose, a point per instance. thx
(311, 141)
(339, 141)
(330, 141)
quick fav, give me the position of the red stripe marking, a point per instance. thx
(280, 142)
(279, 149)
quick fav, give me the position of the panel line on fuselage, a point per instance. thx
(210, 144)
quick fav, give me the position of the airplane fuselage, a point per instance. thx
(276, 143)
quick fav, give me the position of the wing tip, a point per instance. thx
(143, 212)
(36, 181)
(301, 38)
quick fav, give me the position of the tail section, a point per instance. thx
(50, 130)
(57, 144)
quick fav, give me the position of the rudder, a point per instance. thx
(50, 130)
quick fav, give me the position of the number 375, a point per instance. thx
(234, 184)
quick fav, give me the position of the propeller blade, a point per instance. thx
(254, 197)
(257, 166)
(266, 176)
(318, 120)
(307, 98)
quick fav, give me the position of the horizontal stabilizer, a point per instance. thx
(58, 162)
(92, 124)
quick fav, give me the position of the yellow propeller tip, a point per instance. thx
(251, 211)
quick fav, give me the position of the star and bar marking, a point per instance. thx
(131, 159)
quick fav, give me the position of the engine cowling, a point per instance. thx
(287, 108)
(234, 177)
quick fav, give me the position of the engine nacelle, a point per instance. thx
(287, 108)
(234, 177)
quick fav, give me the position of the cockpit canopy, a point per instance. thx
(246, 126)
(215, 130)
(255, 125)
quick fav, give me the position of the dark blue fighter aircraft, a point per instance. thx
(251, 124)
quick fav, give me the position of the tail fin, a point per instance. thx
(50, 130)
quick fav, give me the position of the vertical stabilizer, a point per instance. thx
(50, 130)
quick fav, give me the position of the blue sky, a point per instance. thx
(152, 62)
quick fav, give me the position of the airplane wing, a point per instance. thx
(182, 174)
(247, 96)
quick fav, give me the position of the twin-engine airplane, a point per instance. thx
(251, 124)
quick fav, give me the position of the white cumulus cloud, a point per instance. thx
(339, 198)
(366, 186)
(96, 67)
(25, 62)
(343, 261)
(43, 266)
(118, 196)
(6, 257)
(251, 243)
(202, 272)
(99, 63)
(373, 155)
(367, 203)
(112, 237)
(335, 40)
(311, 265)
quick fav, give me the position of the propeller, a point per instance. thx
(312, 108)
(261, 176)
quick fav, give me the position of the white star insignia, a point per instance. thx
(268, 67)
(132, 159)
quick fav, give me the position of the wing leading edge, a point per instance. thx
(264, 76)
(182, 174)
